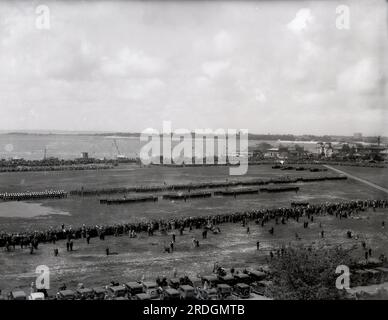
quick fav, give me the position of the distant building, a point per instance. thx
(384, 154)
(337, 149)
(272, 153)
(254, 152)
(85, 155)
(325, 149)
(359, 151)
(357, 136)
(328, 150)
(375, 152)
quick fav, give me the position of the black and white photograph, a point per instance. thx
(193, 153)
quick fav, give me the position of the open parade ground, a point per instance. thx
(143, 256)
(193, 150)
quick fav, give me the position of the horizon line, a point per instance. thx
(79, 132)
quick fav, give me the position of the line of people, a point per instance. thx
(260, 216)
(19, 196)
(56, 168)
(204, 185)
(324, 161)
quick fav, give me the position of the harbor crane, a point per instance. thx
(119, 155)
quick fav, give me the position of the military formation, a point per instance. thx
(56, 168)
(289, 161)
(365, 164)
(20, 196)
(223, 284)
(281, 215)
(54, 164)
(204, 185)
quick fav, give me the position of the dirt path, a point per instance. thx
(358, 179)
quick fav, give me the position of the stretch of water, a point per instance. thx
(32, 147)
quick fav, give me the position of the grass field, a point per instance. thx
(143, 255)
(132, 175)
(76, 211)
(378, 176)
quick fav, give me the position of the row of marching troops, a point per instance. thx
(55, 168)
(204, 185)
(290, 161)
(18, 196)
(260, 216)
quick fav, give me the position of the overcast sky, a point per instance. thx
(270, 67)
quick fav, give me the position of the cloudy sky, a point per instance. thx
(270, 67)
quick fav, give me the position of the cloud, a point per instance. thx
(260, 96)
(130, 62)
(364, 77)
(301, 21)
(214, 68)
(223, 42)
(281, 67)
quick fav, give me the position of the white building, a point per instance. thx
(272, 153)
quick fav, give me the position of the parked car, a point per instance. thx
(66, 295)
(186, 292)
(211, 281)
(170, 294)
(384, 272)
(224, 291)
(133, 288)
(99, 293)
(228, 279)
(242, 278)
(115, 292)
(207, 294)
(17, 295)
(195, 282)
(36, 296)
(242, 290)
(141, 296)
(151, 288)
(174, 283)
(85, 294)
(257, 275)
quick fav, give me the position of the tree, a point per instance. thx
(345, 148)
(299, 148)
(282, 148)
(263, 146)
(308, 274)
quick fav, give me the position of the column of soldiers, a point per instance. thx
(208, 222)
(20, 196)
(202, 185)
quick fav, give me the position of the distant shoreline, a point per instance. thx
(70, 133)
(282, 138)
